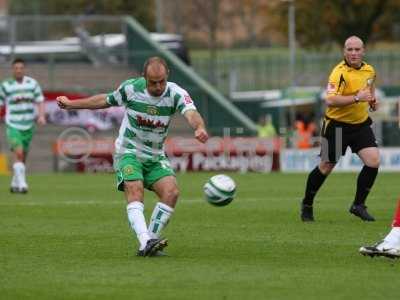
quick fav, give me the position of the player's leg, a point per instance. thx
(390, 246)
(18, 170)
(391, 243)
(167, 190)
(21, 152)
(26, 141)
(135, 207)
(396, 218)
(366, 148)
(15, 141)
(130, 180)
(314, 182)
(160, 177)
(329, 155)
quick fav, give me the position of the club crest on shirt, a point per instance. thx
(152, 110)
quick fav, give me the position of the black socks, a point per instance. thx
(365, 181)
(314, 181)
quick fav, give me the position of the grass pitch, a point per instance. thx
(69, 239)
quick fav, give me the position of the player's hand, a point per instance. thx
(201, 135)
(365, 95)
(41, 120)
(63, 102)
(373, 104)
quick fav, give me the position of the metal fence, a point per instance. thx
(264, 71)
(83, 54)
(234, 70)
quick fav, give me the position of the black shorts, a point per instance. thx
(337, 136)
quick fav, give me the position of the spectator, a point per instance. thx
(265, 127)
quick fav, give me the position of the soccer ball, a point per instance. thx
(220, 190)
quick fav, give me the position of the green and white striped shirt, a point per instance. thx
(19, 99)
(145, 125)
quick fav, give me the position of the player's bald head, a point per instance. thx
(155, 65)
(155, 71)
(353, 41)
(353, 51)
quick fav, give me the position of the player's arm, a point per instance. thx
(2, 97)
(39, 99)
(363, 95)
(374, 103)
(41, 113)
(335, 90)
(93, 102)
(2, 102)
(1, 109)
(196, 122)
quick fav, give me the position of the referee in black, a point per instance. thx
(350, 94)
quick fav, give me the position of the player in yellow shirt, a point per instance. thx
(350, 94)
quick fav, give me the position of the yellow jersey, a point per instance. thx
(266, 131)
(346, 80)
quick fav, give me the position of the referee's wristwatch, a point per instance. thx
(356, 99)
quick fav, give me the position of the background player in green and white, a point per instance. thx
(21, 94)
(140, 161)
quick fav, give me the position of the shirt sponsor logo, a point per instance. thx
(21, 99)
(149, 123)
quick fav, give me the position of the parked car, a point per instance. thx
(86, 48)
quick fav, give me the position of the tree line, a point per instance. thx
(218, 23)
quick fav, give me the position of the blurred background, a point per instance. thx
(256, 69)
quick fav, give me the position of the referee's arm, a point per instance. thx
(363, 95)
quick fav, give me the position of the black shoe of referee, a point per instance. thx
(361, 212)
(307, 214)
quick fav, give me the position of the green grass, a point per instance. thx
(69, 239)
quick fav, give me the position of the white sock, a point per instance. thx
(19, 173)
(138, 222)
(14, 180)
(159, 219)
(393, 238)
